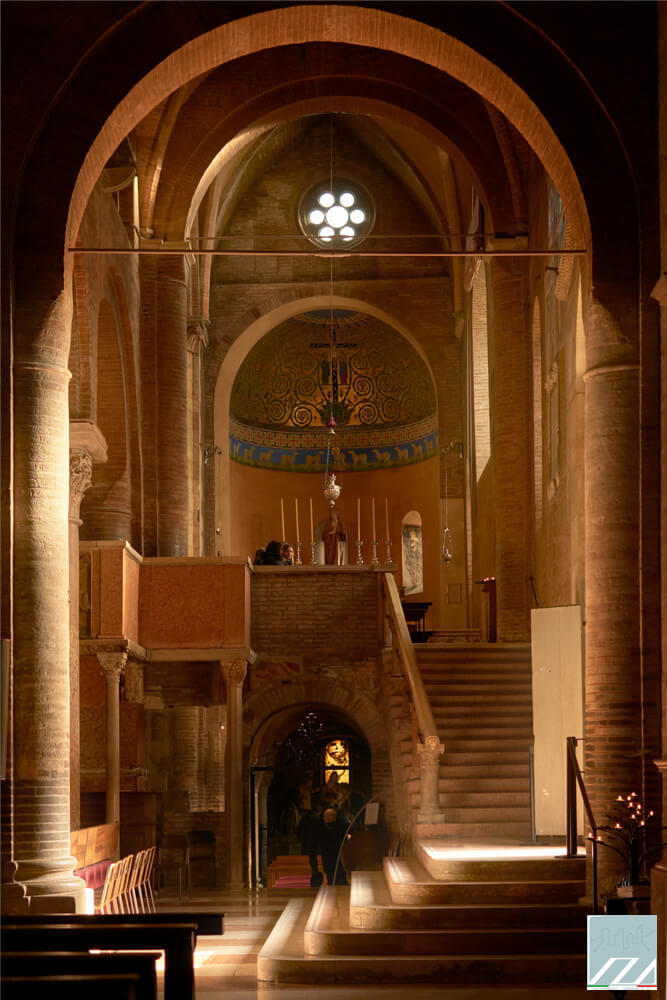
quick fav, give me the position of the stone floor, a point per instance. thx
(226, 967)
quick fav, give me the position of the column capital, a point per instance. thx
(112, 665)
(197, 333)
(430, 752)
(80, 478)
(234, 671)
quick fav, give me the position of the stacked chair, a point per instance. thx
(127, 887)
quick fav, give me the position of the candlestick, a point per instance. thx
(388, 544)
(386, 518)
(358, 517)
(374, 559)
(296, 516)
(360, 559)
(298, 554)
(372, 516)
(312, 533)
(282, 519)
(313, 560)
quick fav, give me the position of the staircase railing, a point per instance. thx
(430, 749)
(574, 777)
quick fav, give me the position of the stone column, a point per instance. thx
(202, 452)
(172, 399)
(510, 449)
(87, 445)
(40, 706)
(430, 752)
(613, 717)
(234, 673)
(112, 666)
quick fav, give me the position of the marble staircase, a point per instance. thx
(438, 918)
(480, 696)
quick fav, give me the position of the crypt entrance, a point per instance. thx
(305, 759)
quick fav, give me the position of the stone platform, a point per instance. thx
(490, 918)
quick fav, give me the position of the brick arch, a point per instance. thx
(283, 84)
(270, 712)
(374, 28)
(252, 330)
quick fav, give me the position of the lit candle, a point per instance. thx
(312, 533)
(359, 518)
(373, 517)
(296, 517)
(386, 516)
(282, 518)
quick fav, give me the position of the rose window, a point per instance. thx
(336, 213)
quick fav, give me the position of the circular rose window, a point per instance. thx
(336, 213)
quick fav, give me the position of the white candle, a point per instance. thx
(386, 516)
(312, 533)
(359, 518)
(282, 519)
(373, 517)
(296, 516)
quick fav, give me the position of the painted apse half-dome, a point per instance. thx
(378, 387)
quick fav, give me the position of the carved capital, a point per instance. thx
(80, 478)
(430, 752)
(197, 333)
(234, 672)
(112, 665)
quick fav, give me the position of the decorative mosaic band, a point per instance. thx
(360, 449)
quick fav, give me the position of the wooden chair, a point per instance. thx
(202, 848)
(174, 855)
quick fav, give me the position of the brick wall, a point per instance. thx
(322, 616)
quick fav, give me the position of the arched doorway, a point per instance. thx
(293, 757)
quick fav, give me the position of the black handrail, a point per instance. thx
(574, 777)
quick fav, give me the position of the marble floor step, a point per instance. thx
(463, 799)
(409, 884)
(497, 860)
(328, 932)
(283, 960)
(371, 906)
(488, 814)
(476, 831)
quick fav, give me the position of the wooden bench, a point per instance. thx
(72, 986)
(176, 940)
(64, 966)
(208, 922)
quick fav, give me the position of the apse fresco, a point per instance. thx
(377, 386)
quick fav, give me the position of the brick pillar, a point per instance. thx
(613, 718)
(172, 419)
(200, 455)
(87, 445)
(234, 674)
(112, 666)
(41, 619)
(185, 722)
(511, 452)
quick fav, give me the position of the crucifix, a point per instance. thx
(333, 346)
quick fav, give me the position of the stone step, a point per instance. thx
(459, 800)
(328, 932)
(282, 960)
(489, 814)
(461, 704)
(411, 885)
(371, 907)
(497, 861)
(500, 771)
(474, 831)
